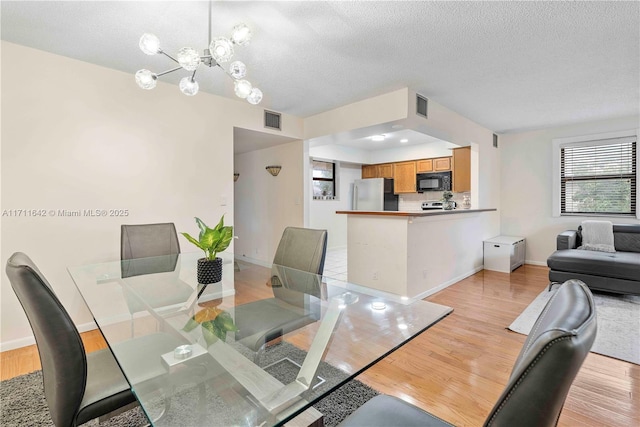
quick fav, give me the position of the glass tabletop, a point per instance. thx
(233, 352)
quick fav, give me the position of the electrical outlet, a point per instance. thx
(374, 276)
(424, 274)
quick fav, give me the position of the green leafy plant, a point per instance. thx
(215, 324)
(447, 195)
(212, 240)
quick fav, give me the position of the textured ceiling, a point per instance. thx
(509, 66)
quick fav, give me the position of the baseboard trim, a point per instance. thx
(254, 261)
(30, 340)
(448, 283)
(540, 263)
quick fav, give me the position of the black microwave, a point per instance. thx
(436, 181)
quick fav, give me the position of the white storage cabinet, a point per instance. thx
(504, 253)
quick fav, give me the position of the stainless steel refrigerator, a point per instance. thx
(374, 194)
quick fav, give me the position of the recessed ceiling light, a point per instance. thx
(377, 138)
(404, 140)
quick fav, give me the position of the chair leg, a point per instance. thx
(551, 285)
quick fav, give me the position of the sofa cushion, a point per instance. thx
(627, 237)
(620, 265)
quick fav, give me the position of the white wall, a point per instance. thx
(526, 175)
(80, 136)
(323, 212)
(411, 152)
(397, 154)
(265, 204)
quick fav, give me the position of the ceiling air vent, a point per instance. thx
(495, 140)
(421, 105)
(272, 120)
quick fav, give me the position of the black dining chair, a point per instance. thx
(541, 377)
(300, 250)
(79, 386)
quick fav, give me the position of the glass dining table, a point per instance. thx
(237, 353)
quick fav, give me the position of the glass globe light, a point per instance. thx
(241, 35)
(150, 44)
(255, 96)
(237, 69)
(243, 88)
(146, 79)
(221, 49)
(188, 58)
(188, 86)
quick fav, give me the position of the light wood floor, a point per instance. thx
(457, 369)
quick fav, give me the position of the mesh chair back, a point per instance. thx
(300, 249)
(148, 240)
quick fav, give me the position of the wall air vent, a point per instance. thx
(421, 105)
(495, 140)
(272, 120)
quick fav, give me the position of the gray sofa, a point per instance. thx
(617, 272)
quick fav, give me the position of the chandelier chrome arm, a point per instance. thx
(168, 56)
(220, 49)
(168, 71)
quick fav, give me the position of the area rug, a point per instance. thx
(22, 401)
(618, 318)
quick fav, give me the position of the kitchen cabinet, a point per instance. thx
(461, 175)
(369, 171)
(438, 164)
(424, 165)
(384, 170)
(404, 177)
(441, 164)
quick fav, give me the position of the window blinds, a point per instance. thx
(598, 177)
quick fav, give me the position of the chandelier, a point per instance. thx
(220, 50)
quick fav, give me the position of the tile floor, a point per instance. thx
(335, 264)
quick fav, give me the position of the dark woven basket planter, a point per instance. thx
(209, 271)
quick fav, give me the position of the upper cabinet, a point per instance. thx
(404, 173)
(438, 164)
(404, 180)
(461, 169)
(384, 170)
(442, 164)
(424, 165)
(369, 171)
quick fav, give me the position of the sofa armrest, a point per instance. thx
(567, 240)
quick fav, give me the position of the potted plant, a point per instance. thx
(211, 241)
(447, 204)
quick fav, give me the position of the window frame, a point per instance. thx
(558, 143)
(332, 180)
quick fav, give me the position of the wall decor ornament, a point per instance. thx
(274, 170)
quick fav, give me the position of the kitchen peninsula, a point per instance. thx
(413, 254)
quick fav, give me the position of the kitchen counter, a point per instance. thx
(413, 254)
(416, 212)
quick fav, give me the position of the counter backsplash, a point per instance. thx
(413, 201)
